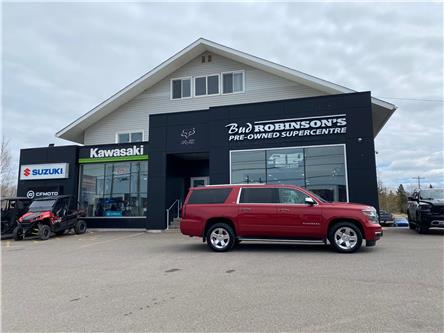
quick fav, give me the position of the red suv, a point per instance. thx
(224, 215)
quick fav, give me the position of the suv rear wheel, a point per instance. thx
(345, 237)
(220, 237)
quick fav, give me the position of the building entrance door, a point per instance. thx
(199, 181)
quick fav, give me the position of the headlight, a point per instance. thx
(425, 206)
(371, 214)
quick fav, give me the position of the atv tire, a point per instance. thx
(80, 227)
(44, 231)
(17, 233)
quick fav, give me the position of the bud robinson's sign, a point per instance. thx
(286, 128)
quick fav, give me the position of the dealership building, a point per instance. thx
(210, 114)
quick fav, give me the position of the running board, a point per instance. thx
(278, 240)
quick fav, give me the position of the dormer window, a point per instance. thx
(181, 88)
(233, 82)
(206, 85)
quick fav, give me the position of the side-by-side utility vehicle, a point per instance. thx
(12, 209)
(51, 215)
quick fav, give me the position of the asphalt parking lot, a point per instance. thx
(139, 281)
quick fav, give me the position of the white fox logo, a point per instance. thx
(186, 133)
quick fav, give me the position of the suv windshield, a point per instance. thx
(432, 194)
(41, 205)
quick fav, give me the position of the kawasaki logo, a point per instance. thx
(119, 152)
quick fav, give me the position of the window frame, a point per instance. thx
(79, 189)
(233, 72)
(181, 87)
(129, 132)
(308, 146)
(206, 85)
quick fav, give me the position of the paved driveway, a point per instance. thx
(137, 281)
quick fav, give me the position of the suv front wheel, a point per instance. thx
(345, 237)
(220, 237)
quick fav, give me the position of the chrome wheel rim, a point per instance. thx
(346, 238)
(220, 238)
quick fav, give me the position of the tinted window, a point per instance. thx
(136, 137)
(238, 81)
(177, 89)
(259, 195)
(227, 83)
(201, 86)
(123, 138)
(186, 88)
(291, 196)
(213, 84)
(209, 196)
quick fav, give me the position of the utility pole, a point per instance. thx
(419, 181)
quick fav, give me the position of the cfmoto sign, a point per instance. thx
(44, 171)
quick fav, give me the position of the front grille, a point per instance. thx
(437, 210)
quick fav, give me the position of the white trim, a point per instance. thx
(181, 87)
(295, 147)
(129, 132)
(206, 85)
(233, 72)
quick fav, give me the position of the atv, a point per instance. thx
(50, 215)
(12, 209)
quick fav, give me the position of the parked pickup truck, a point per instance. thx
(224, 215)
(425, 209)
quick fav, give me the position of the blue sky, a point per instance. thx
(59, 60)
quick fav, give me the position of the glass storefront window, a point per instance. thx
(248, 167)
(114, 189)
(319, 169)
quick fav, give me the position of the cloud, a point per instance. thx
(62, 59)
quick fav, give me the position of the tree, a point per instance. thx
(401, 199)
(7, 182)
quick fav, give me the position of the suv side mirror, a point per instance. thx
(309, 201)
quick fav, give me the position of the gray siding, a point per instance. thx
(259, 87)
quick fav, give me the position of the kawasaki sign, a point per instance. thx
(44, 171)
(97, 154)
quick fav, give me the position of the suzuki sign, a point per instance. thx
(44, 171)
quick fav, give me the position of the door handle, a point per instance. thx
(283, 210)
(245, 209)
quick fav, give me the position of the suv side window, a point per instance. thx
(259, 195)
(209, 196)
(291, 196)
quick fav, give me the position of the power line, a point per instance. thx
(414, 99)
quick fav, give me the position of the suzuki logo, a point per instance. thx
(27, 172)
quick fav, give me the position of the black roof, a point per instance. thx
(55, 197)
